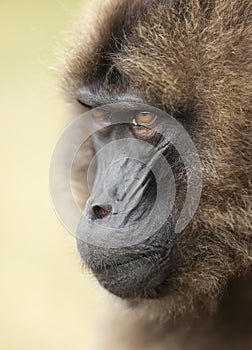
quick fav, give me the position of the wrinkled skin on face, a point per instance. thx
(190, 59)
(127, 229)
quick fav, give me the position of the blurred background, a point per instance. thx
(45, 297)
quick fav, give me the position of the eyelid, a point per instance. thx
(83, 104)
(101, 119)
(98, 115)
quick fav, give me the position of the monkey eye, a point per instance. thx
(83, 104)
(143, 126)
(99, 116)
(144, 119)
(102, 121)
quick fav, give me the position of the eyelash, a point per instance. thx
(83, 104)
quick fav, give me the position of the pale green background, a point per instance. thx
(45, 298)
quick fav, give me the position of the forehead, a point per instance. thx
(168, 51)
(103, 32)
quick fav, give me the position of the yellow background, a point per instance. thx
(45, 298)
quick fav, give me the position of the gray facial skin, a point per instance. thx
(126, 233)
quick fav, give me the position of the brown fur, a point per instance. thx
(191, 58)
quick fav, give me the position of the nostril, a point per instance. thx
(100, 212)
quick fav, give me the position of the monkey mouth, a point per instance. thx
(130, 276)
(117, 265)
(136, 278)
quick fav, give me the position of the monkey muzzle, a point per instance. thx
(127, 228)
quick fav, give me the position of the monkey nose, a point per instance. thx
(98, 211)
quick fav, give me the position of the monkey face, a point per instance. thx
(180, 59)
(127, 230)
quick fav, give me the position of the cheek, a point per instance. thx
(83, 173)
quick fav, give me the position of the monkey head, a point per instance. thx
(149, 73)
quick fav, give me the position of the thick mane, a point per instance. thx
(191, 58)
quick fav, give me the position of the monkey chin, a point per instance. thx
(139, 278)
